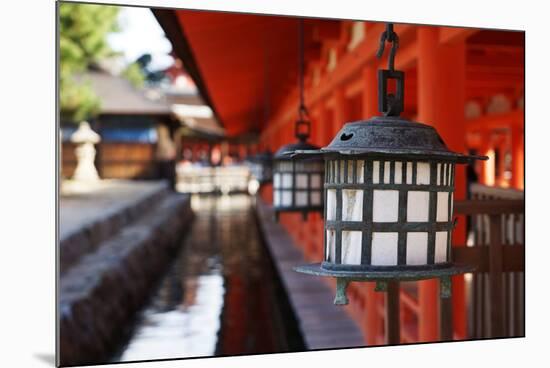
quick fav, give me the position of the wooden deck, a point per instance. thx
(322, 324)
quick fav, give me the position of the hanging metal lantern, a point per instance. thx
(261, 167)
(388, 190)
(298, 184)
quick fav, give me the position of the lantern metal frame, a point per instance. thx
(392, 139)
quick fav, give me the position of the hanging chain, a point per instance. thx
(302, 110)
(390, 36)
(390, 104)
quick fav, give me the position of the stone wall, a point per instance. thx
(100, 294)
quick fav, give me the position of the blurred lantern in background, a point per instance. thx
(389, 186)
(297, 184)
(261, 167)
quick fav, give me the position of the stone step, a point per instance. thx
(116, 208)
(99, 295)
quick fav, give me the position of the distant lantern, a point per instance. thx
(298, 184)
(388, 191)
(261, 167)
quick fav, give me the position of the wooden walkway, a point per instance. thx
(322, 324)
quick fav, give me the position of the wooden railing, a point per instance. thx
(495, 292)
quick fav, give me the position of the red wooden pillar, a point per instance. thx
(428, 326)
(451, 126)
(517, 157)
(370, 108)
(441, 96)
(340, 109)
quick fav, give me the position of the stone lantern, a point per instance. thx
(85, 138)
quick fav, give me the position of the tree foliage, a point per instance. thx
(134, 73)
(83, 30)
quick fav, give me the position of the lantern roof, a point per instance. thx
(285, 152)
(388, 136)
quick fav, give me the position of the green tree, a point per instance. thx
(134, 73)
(83, 30)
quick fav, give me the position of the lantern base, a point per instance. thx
(382, 277)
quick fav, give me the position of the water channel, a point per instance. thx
(220, 296)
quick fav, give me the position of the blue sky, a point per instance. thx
(140, 33)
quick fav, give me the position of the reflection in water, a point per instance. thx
(220, 297)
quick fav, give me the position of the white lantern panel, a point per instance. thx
(422, 173)
(286, 198)
(352, 205)
(417, 248)
(442, 206)
(438, 179)
(409, 172)
(440, 246)
(384, 249)
(376, 172)
(315, 181)
(331, 246)
(331, 204)
(332, 168)
(360, 171)
(398, 173)
(342, 163)
(385, 205)
(277, 180)
(277, 198)
(301, 198)
(350, 171)
(287, 181)
(301, 181)
(418, 204)
(387, 172)
(316, 198)
(351, 247)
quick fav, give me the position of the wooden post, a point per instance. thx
(495, 277)
(392, 314)
(446, 318)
